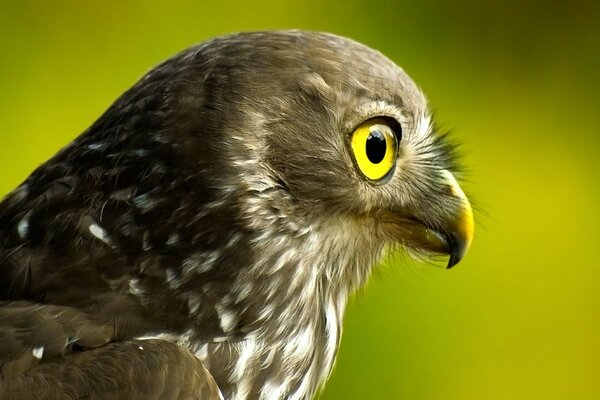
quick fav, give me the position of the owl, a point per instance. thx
(201, 239)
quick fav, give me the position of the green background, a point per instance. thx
(517, 83)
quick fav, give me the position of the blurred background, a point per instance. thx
(518, 85)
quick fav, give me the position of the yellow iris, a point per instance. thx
(375, 148)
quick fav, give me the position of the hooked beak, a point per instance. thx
(458, 232)
(453, 234)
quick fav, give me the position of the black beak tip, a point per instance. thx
(454, 259)
(457, 251)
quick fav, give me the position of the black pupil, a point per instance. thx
(376, 147)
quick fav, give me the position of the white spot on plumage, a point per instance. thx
(213, 256)
(266, 312)
(152, 337)
(23, 227)
(144, 203)
(244, 162)
(284, 258)
(38, 352)
(268, 357)
(300, 345)
(332, 323)
(172, 239)
(309, 285)
(96, 146)
(99, 233)
(272, 390)
(200, 262)
(233, 240)
(134, 287)
(202, 352)
(246, 289)
(172, 278)
(217, 203)
(193, 302)
(246, 350)
(183, 340)
(304, 388)
(146, 245)
(227, 318)
(141, 152)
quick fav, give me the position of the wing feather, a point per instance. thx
(136, 369)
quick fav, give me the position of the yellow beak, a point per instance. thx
(460, 229)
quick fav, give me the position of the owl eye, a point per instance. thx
(375, 147)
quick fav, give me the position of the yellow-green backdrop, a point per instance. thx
(518, 84)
